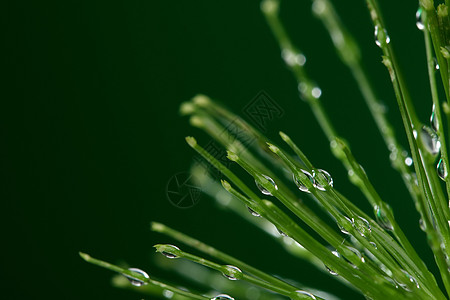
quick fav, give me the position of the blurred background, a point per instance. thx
(92, 134)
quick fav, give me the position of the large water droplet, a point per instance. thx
(233, 273)
(332, 272)
(300, 185)
(222, 297)
(362, 226)
(133, 280)
(168, 254)
(386, 36)
(442, 169)
(254, 213)
(342, 228)
(324, 182)
(433, 119)
(419, 22)
(430, 140)
(292, 58)
(299, 294)
(263, 189)
(382, 219)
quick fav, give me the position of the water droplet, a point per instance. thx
(436, 64)
(168, 254)
(430, 140)
(360, 257)
(382, 219)
(302, 294)
(332, 272)
(408, 161)
(342, 228)
(232, 273)
(292, 58)
(135, 281)
(387, 39)
(422, 225)
(316, 92)
(362, 226)
(308, 90)
(168, 294)
(327, 182)
(263, 189)
(281, 232)
(300, 185)
(222, 297)
(419, 22)
(442, 169)
(374, 245)
(254, 213)
(433, 119)
(411, 279)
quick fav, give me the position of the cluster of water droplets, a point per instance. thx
(292, 58)
(377, 33)
(308, 90)
(327, 180)
(404, 286)
(135, 281)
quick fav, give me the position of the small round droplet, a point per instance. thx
(316, 92)
(252, 212)
(263, 189)
(233, 273)
(300, 185)
(387, 39)
(222, 297)
(442, 169)
(408, 161)
(299, 294)
(168, 254)
(419, 22)
(374, 245)
(382, 219)
(135, 281)
(430, 140)
(328, 179)
(362, 226)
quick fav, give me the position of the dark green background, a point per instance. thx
(91, 131)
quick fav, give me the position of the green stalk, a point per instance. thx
(140, 278)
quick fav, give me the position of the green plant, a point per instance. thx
(372, 255)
